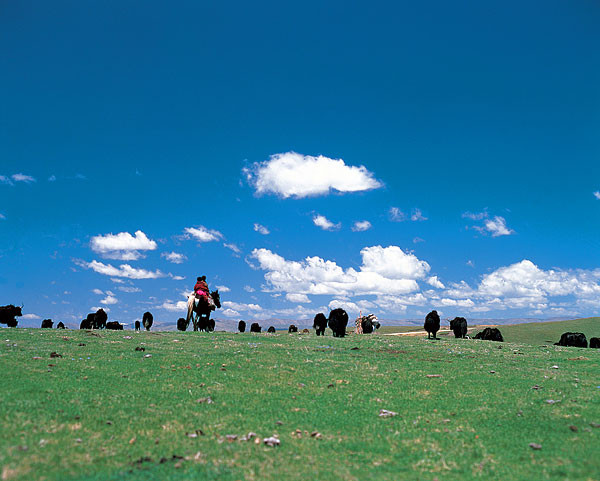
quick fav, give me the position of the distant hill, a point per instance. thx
(550, 332)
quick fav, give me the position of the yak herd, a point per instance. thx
(337, 322)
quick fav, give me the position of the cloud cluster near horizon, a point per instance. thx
(295, 175)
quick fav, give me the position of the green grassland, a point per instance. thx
(104, 411)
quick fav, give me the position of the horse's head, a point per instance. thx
(216, 298)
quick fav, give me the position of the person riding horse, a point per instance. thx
(201, 291)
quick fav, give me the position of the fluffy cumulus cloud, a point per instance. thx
(122, 246)
(174, 257)
(202, 234)
(295, 175)
(261, 229)
(385, 271)
(494, 226)
(297, 298)
(178, 306)
(597, 194)
(324, 223)
(524, 285)
(108, 300)
(124, 270)
(361, 226)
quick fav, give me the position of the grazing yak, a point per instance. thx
(292, 328)
(432, 324)
(572, 339)
(490, 334)
(320, 323)
(254, 327)
(459, 327)
(100, 319)
(114, 325)
(271, 330)
(9, 314)
(182, 324)
(137, 325)
(242, 326)
(338, 320)
(147, 320)
(595, 342)
(60, 325)
(47, 324)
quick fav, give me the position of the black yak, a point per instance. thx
(88, 322)
(490, 334)
(254, 327)
(320, 323)
(47, 324)
(182, 324)
(137, 325)
(292, 328)
(338, 320)
(432, 324)
(60, 325)
(459, 327)
(369, 324)
(114, 325)
(100, 319)
(242, 326)
(9, 314)
(147, 320)
(595, 342)
(572, 339)
(271, 330)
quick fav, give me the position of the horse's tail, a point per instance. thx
(190, 307)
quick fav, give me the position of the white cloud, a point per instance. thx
(98, 291)
(416, 240)
(417, 215)
(122, 246)
(202, 234)
(223, 289)
(457, 302)
(23, 178)
(238, 306)
(230, 313)
(435, 282)
(360, 226)
(384, 271)
(295, 175)
(249, 289)
(396, 215)
(108, 300)
(261, 229)
(497, 227)
(5, 180)
(2, 216)
(298, 298)
(129, 289)
(174, 257)
(174, 306)
(30, 316)
(324, 223)
(232, 247)
(124, 270)
(597, 194)
(177, 278)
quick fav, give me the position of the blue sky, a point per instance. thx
(383, 156)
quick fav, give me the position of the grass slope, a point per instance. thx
(542, 332)
(103, 411)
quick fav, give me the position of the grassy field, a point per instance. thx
(180, 409)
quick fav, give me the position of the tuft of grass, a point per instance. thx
(104, 411)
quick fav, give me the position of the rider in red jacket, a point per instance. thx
(201, 287)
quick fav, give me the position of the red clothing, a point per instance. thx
(201, 288)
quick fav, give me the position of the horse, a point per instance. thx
(199, 311)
